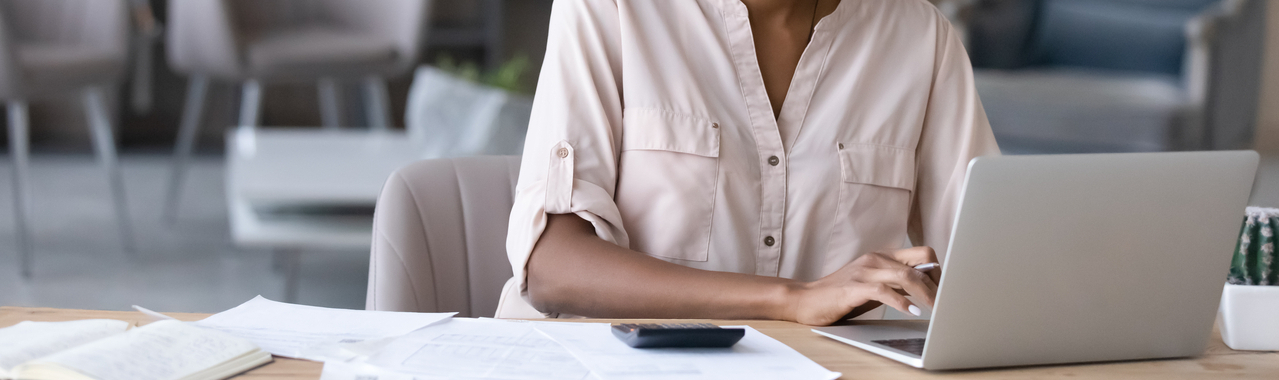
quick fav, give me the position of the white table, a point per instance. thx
(295, 189)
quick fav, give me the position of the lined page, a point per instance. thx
(160, 351)
(29, 340)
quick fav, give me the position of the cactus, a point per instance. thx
(1254, 260)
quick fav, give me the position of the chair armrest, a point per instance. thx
(1201, 36)
(202, 38)
(401, 21)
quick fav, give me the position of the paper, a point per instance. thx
(30, 340)
(756, 356)
(359, 371)
(479, 349)
(161, 350)
(313, 333)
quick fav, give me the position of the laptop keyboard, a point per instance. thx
(914, 346)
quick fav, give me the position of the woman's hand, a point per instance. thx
(865, 283)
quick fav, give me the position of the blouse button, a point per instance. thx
(841, 145)
(715, 125)
(774, 160)
(769, 241)
(563, 152)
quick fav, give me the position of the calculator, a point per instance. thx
(663, 335)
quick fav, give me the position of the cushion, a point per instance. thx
(52, 68)
(318, 49)
(1131, 35)
(1071, 110)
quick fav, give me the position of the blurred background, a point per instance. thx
(187, 155)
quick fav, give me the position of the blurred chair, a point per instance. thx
(262, 41)
(1115, 75)
(52, 48)
(147, 31)
(439, 239)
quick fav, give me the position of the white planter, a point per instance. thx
(451, 117)
(1250, 317)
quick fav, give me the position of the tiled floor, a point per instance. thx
(190, 265)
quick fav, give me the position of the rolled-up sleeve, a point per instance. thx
(574, 135)
(955, 131)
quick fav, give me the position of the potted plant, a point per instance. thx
(456, 110)
(1250, 301)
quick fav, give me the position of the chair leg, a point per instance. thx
(104, 144)
(251, 104)
(330, 103)
(18, 128)
(140, 90)
(376, 103)
(188, 133)
(291, 260)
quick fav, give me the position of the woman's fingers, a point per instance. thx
(914, 282)
(886, 295)
(916, 256)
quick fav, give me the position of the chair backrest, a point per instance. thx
(210, 36)
(439, 236)
(1130, 35)
(68, 22)
(1133, 35)
(100, 27)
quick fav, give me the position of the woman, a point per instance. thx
(742, 159)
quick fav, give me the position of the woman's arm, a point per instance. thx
(573, 271)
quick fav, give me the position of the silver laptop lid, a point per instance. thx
(1078, 258)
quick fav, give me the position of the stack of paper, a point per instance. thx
(514, 350)
(371, 345)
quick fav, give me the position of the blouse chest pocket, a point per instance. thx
(667, 180)
(874, 201)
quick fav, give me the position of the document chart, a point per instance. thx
(480, 349)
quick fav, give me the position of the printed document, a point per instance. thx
(756, 356)
(313, 333)
(464, 348)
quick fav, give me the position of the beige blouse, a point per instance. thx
(652, 123)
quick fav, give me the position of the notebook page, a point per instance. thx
(30, 340)
(159, 351)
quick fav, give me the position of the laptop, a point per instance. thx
(1077, 258)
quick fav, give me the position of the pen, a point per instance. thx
(151, 314)
(927, 267)
(922, 268)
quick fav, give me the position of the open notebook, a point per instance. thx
(103, 350)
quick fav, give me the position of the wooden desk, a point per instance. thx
(1218, 362)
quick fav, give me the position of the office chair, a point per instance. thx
(263, 41)
(439, 239)
(52, 48)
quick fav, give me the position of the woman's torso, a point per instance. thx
(709, 178)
